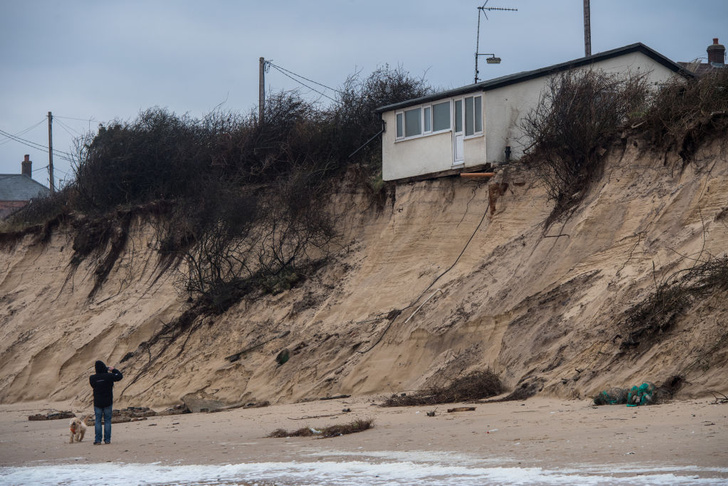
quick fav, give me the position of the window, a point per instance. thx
(478, 114)
(458, 116)
(469, 117)
(423, 120)
(473, 115)
(441, 116)
(412, 125)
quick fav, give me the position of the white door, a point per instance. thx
(458, 134)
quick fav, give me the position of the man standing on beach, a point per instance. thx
(103, 384)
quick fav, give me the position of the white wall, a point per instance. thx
(412, 157)
(505, 107)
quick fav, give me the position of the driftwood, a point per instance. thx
(335, 397)
(52, 416)
(719, 397)
(461, 409)
(307, 417)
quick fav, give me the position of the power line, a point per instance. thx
(291, 74)
(63, 155)
(67, 128)
(303, 77)
(87, 120)
(23, 132)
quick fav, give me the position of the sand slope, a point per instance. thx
(449, 276)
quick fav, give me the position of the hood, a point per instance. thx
(101, 367)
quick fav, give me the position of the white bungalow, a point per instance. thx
(466, 128)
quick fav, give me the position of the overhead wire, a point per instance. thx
(60, 154)
(293, 76)
(22, 132)
(303, 77)
(67, 128)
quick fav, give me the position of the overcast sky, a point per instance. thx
(93, 61)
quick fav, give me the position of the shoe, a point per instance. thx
(107, 442)
(97, 443)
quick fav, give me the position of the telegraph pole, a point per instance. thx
(587, 29)
(50, 151)
(261, 91)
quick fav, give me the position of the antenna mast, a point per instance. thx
(492, 59)
(587, 29)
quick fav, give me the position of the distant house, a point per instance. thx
(16, 190)
(466, 128)
(716, 60)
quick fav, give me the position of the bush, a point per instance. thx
(685, 112)
(242, 198)
(646, 321)
(572, 124)
(355, 117)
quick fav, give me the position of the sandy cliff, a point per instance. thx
(451, 275)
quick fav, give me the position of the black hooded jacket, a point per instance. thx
(103, 384)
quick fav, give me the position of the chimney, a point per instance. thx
(27, 167)
(716, 53)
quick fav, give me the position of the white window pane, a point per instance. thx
(400, 125)
(412, 119)
(478, 114)
(469, 119)
(427, 115)
(441, 116)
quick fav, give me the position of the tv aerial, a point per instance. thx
(492, 59)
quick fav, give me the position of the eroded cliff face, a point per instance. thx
(452, 275)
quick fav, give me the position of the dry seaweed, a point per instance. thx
(474, 386)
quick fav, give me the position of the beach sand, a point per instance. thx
(539, 432)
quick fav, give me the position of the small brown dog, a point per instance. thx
(78, 429)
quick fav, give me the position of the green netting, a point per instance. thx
(643, 394)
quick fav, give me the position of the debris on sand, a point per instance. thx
(331, 431)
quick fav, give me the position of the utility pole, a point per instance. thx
(261, 91)
(587, 29)
(50, 151)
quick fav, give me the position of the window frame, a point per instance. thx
(472, 118)
(426, 120)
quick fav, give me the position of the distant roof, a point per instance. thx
(701, 68)
(18, 187)
(546, 71)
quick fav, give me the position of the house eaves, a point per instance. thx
(546, 71)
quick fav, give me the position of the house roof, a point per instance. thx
(701, 68)
(18, 187)
(545, 71)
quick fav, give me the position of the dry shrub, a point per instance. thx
(575, 119)
(686, 113)
(474, 386)
(358, 425)
(649, 319)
